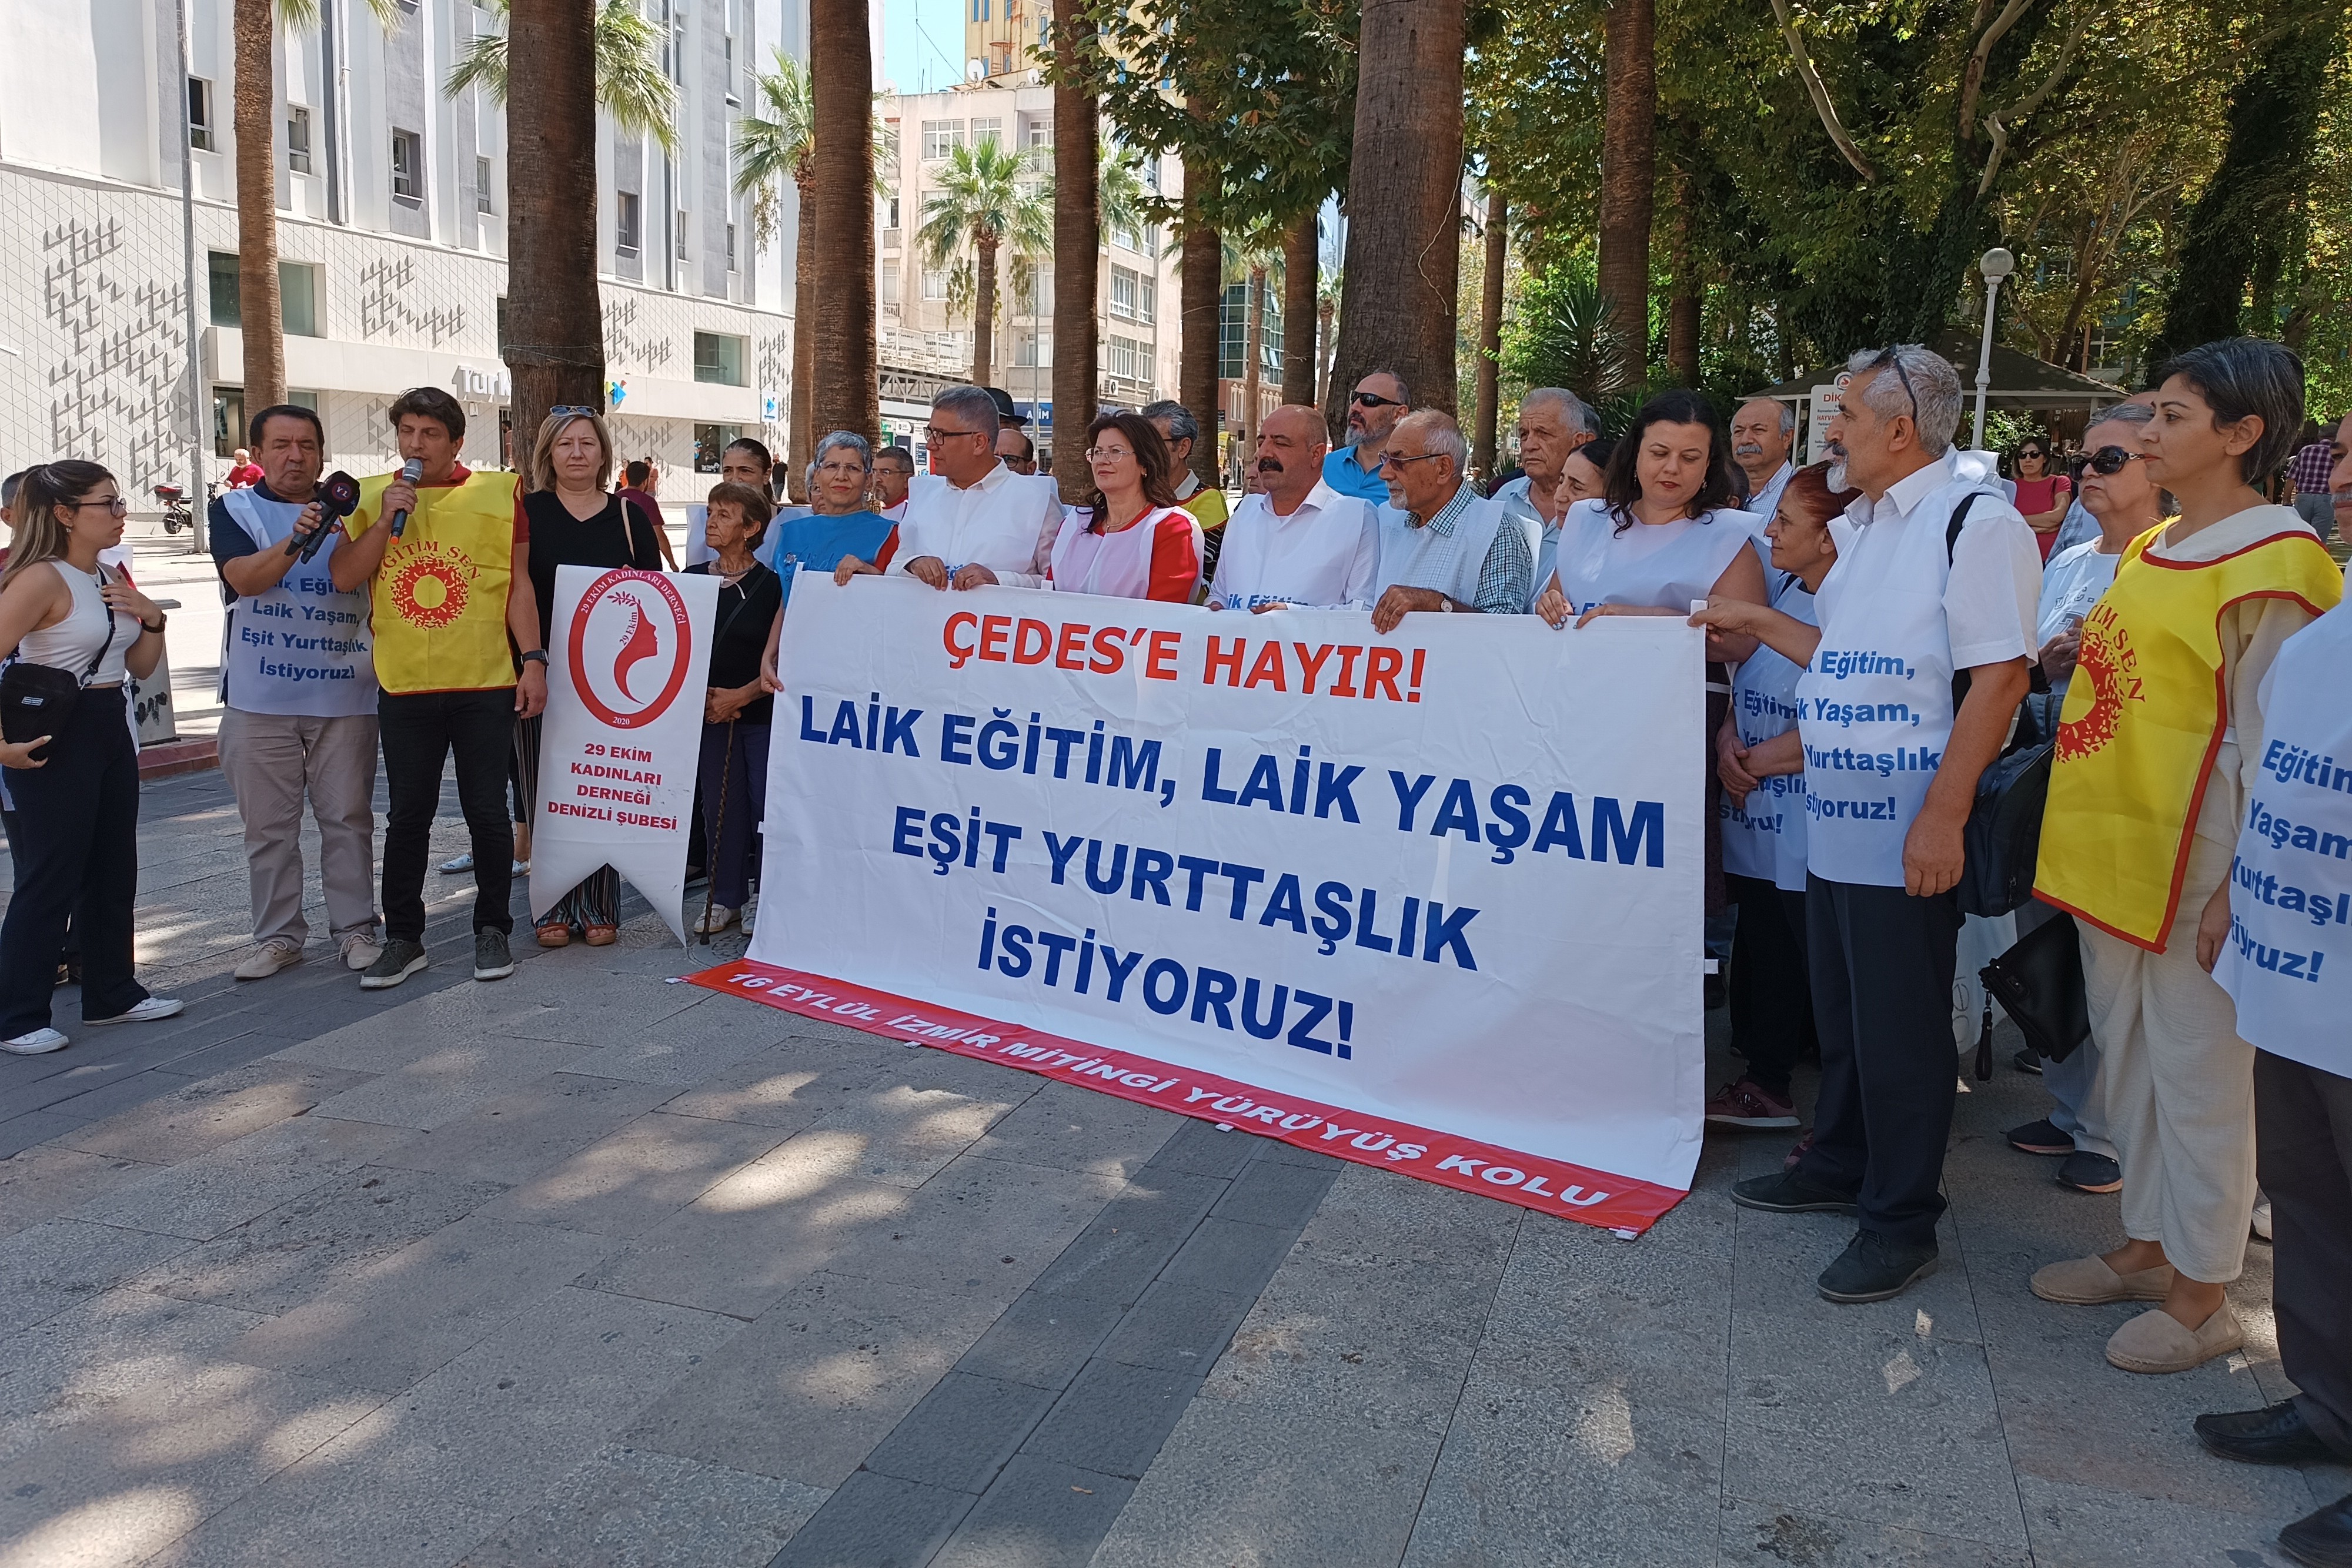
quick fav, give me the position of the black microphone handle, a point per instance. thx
(399, 523)
(318, 540)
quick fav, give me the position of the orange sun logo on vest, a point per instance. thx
(2098, 665)
(430, 590)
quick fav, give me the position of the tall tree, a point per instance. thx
(1629, 171)
(1682, 288)
(774, 144)
(1078, 226)
(1404, 205)
(580, 59)
(1201, 289)
(846, 391)
(986, 198)
(1302, 260)
(1490, 331)
(1249, 259)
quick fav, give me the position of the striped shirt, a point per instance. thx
(1505, 577)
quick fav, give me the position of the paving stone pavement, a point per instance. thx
(584, 1268)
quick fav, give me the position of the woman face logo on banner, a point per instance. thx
(631, 644)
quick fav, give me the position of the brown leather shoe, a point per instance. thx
(555, 934)
(603, 935)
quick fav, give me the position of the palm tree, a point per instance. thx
(253, 122)
(580, 59)
(1122, 196)
(1490, 333)
(1077, 224)
(773, 145)
(986, 198)
(845, 388)
(1629, 170)
(1327, 310)
(1199, 287)
(1250, 257)
(1302, 243)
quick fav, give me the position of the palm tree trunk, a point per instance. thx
(1253, 365)
(1629, 149)
(1077, 237)
(1683, 296)
(1301, 265)
(1490, 332)
(800, 441)
(1325, 309)
(848, 389)
(1404, 187)
(255, 122)
(555, 318)
(1202, 309)
(984, 311)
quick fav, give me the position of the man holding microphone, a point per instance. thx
(443, 555)
(299, 700)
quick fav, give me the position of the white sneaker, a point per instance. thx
(267, 957)
(744, 920)
(148, 1011)
(715, 919)
(458, 866)
(39, 1042)
(359, 949)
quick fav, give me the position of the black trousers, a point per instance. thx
(420, 730)
(2303, 1155)
(1882, 965)
(1769, 991)
(76, 849)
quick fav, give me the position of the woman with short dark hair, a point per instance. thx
(2159, 751)
(737, 714)
(1128, 539)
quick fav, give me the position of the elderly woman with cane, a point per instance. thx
(736, 712)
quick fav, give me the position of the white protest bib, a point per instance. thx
(300, 647)
(1876, 704)
(1117, 564)
(2288, 961)
(1450, 563)
(1765, 839)
(1664, 567)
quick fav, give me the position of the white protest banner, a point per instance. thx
(626, 678)
(1430, 901)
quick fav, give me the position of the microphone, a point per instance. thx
(338, 497)
(410, 473)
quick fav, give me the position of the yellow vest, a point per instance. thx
(1208, 506)
(440, 596)
(2143, 720)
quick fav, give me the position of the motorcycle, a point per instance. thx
(177, 513)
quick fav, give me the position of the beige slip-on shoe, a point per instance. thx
(2154, 1340)
(2089, 1283)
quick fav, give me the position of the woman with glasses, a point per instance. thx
(575, 520)
(81, 631)
(1128, 539)
(2122, 500)
(737, 711)
(2042, 496)
(840, 526)
(2160, 759)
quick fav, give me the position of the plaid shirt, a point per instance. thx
(2310, 467)
(1505, 576)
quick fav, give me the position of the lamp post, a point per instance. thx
(1996, 264)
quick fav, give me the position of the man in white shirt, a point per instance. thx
(1762, 432)
(1890, 774)
(1296, 542)
(1554, 425)
(979, 522)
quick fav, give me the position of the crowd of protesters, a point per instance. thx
(2174, 636)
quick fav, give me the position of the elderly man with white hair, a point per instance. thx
(1762, 432)
(1443, 548)
(1554, 425)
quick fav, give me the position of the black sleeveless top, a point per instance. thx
(620, 535)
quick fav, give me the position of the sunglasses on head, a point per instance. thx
(1374, 400)
(571, 411)
(2111, 460)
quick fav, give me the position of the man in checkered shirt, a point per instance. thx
(1443, 547)
(2308, 473)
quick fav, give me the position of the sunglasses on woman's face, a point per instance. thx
(2111, 460)
(2036, 457)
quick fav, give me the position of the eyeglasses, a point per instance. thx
(1888, 358)
(2111, 460)
(934, 434)
(1390, 459)
(571, 411)
(115, 506)
(1105, 454)
(2029, 452)
(1374, 400)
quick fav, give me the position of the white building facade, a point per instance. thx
(392, 236)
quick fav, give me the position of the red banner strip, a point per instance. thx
(1550, 1186)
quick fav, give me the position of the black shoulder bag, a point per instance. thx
(38, 699)
(2003, 836)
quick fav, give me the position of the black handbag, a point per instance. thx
(2003, 835)
(2039, 983)
(38, 699)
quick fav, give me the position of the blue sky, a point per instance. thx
(914, 61)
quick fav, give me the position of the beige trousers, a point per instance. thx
(271, 760)
(2179, 1083)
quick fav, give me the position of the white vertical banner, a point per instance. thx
(627, 669)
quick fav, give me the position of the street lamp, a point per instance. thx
(1996, 264)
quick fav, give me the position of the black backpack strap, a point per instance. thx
(1960, 521)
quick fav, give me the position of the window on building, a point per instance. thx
(711, 441)
(1041, 133)
(980, 10)
(626, 219)
(730, 247)
(890, 215)
(221, 272)
(935, 283)
(679, 234)
(1147, 300)
(718, 358)
(482, 186)
(298, 299)
(890, 286)
(1127, 358)
(200, 114)
(408, 165)
(228, 420)
(941, 137)
(1122, 293)
(989, 130)
(1033, 348)
(298, 139)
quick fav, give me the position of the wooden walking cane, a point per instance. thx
(717, 831)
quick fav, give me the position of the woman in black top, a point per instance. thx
(736, 712)
(576, 521)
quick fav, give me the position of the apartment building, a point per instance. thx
(926, 333)
(392, 232)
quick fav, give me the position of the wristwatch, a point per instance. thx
(157, 629)
(1445, 602)
(536, 656)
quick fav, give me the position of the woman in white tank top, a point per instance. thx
(74, 776)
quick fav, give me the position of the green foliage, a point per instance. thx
(1564, 334)
(775, 143)
(631, 85)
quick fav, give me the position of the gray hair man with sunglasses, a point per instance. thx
(1935, 575)
(1378, 400)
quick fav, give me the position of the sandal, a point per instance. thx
(603, 935)
(555, 934)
